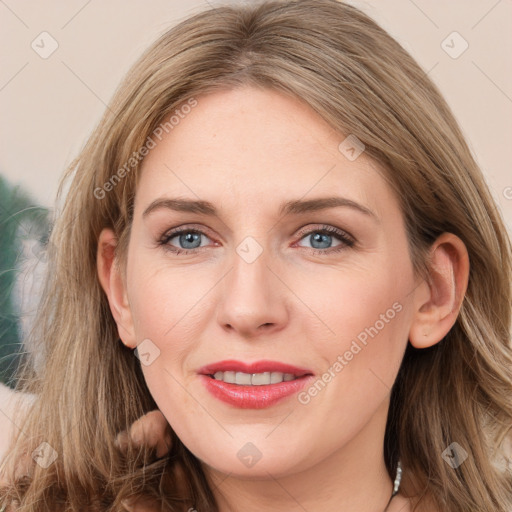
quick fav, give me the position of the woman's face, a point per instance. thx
(260, 280)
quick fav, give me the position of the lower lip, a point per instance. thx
(253, 397)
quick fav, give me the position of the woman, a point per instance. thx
(279, 213)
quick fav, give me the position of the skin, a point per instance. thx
(246, 151)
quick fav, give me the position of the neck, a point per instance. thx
(353, 479)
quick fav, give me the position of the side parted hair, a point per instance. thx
(362, 82)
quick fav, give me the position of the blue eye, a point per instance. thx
(189, 240)
(321, 239)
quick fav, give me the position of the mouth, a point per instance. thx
(258, 373)
(253, 379)
(253, 385)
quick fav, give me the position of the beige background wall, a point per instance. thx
(50, 105)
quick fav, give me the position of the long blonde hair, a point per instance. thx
(362, 82)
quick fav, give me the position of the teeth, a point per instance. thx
(258, 379)
(243, 378)
(253, 379)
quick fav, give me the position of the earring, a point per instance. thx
(398, 479)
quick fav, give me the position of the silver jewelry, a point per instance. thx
(396, 484)
(398, 479)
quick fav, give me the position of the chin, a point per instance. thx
(249, 460)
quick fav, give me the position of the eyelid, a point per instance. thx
(185, 228)
(325, 228)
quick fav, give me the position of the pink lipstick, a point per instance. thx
(253, 385)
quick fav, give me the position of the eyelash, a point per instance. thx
(347, 240)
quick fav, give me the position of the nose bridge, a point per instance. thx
(252, 296)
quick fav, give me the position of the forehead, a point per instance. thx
(252, 146)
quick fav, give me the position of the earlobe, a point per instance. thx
(113, 285)
(438, 301)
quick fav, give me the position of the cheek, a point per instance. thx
(351, 304)
(168, 309)
(164, 301)
(368, 316)
(166, 321)
(360, 362)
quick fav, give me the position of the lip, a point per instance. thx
(254, 367)
(253, 397)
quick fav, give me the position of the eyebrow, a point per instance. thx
(294, 207)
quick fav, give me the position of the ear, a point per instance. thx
(112, 282)
(438, 299)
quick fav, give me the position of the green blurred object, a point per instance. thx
(20, 219)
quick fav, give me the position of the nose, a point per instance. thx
(254, 298)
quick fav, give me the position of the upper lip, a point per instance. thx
(254, 367)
